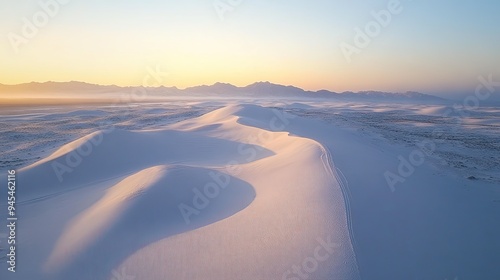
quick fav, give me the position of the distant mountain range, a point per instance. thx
(256, 90)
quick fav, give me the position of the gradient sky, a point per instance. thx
(431, 46)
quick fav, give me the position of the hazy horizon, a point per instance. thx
(455, 95)
(413, 45)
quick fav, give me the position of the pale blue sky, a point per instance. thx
(430, 46)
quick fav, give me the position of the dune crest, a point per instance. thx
(97, 219)
(228, 195)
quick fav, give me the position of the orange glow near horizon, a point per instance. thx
(289, 44)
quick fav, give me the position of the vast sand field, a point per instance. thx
(216, 190)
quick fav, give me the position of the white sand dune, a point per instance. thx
(113, 154)
(222, 196)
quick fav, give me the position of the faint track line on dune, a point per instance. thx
(344, 187)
